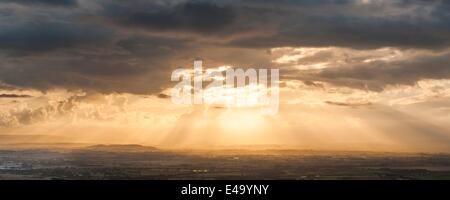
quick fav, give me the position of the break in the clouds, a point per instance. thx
(366, 70)
(132, 46)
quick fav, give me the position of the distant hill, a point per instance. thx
(122, 148)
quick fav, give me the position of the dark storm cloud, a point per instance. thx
(408, 24)
(346, 23)
(132, 46)
(153, 45)
(197, 16)
(346, 31)
(45, 2)
(38, 37)
(105, 75)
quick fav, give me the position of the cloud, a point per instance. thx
(350, 24)
(46, 36)
(132, 46)
(348, 104)
(362, 69)
(107, 75)
(14, 96)
(197, 16)
(163, 96)
(376, 75)
(26, 115)
(45, 2)
(99, 107)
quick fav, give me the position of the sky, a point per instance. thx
(354, 74)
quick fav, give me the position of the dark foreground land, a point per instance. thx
(139, 162)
